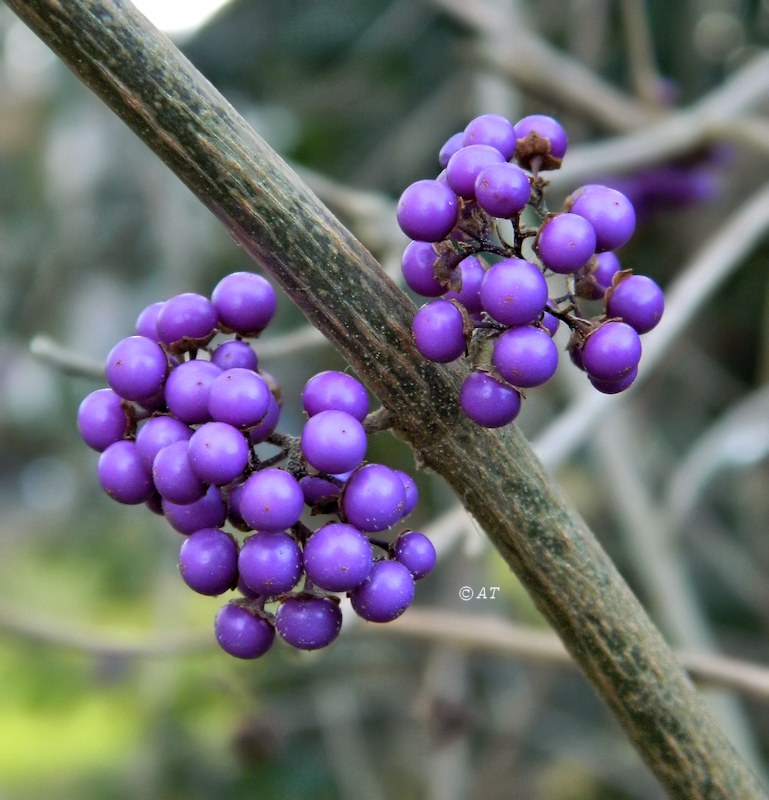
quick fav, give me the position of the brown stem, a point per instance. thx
(341, 289)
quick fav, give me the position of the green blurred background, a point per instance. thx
(110, 683)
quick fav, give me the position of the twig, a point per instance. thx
(65, 360)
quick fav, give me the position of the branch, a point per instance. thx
(342, 291)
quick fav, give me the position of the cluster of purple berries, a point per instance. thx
(505, 272)
(188, 426)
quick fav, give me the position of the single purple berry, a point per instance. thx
(241, 633)
(101, 419)
(549, 322)
(418, 270)
(308, 623)
(122, 475)
(147, 321)
(565, 243)
(450, 146)
(266, 426)
(136, 368)
(235, 353)
(173, 475)
(317, 490)
(427, 211)
(502, 190)
(637, 300)
(514, 291)
(187, 321)
(385, 594)
(218, 453)
(493, 130)
(609, 212)
(488, 402)
(208, 561)
(525, 356)
(187, 390)
(466, 164)
(245, 302)
(614, 387)
(333, 441)
(239, 397)
(332, 390)
(471, 274)
(374, 498)
(412, 492)
(439, 331)
(541, 138)
(270, 563)
(338, 557)
(271, 500)
(416, 552)
(210, 511)
(611, 351)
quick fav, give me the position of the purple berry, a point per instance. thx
(502, 190)
(241, 633)
(218, 453)
(338, 557)
(332, 390)
(514, 291)
(173, 475)
(549, 322)
(187, 321)
(493, 130)
(385, 594)
(540, 137)
(122, 475)
(427, 211)
(614, 387)
(412, 492)
(525, 356)
(156, 433)
(147, 321)
(101, 419)
(208, 561)
(316, 490)
(136, 368)
(488, 402)
(245, 302)
(565, 242)
(235, 353)
(466, 164)
(187, 390)
(266, 427)
(418, 271)
(270, 563)
(439, 331)
(471, 274)
(450, 146)
(238, 397)
(374, 498)
(416, 552)
(308, 623)
(210, 511)
(637, 300)
(609, 212)
(271, 500)
(611, 352)
(333, 441)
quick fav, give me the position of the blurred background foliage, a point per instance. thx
(110, 683)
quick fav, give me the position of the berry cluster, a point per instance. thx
(183, 428)
(505, 272)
